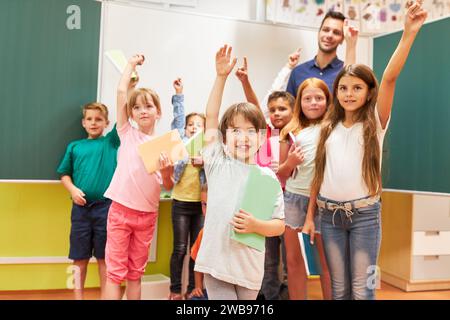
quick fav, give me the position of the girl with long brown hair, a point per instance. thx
(347, 179)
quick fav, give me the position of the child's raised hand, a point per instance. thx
(350, 33)
(137, 59)
(293, 59)
(78, 196)
(224, 64)
(415, 16)
(134, 81)
(244, 222)
(242, 72)
(295, 156)
(178, 86)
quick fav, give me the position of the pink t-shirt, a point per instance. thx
(131, 185)
(269, 152)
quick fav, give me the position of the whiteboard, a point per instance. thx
(178, 44)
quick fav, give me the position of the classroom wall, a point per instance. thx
(190, 54)
(35, 224)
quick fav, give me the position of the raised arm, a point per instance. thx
(224, 65)
(351, 39)
(415, 17)
(281, 81)
(122, 89)
(242, 75)
(179, 120)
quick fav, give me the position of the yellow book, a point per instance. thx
(169, 143)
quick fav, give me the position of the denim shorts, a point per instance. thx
(295, 209)
(88, 230)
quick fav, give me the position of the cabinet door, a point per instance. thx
(431, 243)
(431, 268)
(431, 213)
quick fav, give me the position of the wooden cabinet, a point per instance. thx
(415, 248)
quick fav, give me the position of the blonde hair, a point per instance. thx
(299, 120)
(248, 110)
(366, 114)
(144, 92)
(96, 106)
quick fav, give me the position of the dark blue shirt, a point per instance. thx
(310, 69)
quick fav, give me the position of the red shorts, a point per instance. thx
(129, 234)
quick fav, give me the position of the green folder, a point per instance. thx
(259, 198)
(195, 144)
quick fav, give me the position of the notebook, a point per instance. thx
(169, 143)
(195, 144)
(118, 59)
(310, 255)
(259, 198)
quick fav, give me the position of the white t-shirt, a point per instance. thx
(219, 255)
(308, 139)
(343, 179)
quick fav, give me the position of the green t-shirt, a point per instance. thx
(91, 164)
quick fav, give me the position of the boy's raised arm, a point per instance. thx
(224, 65)
(242, 75)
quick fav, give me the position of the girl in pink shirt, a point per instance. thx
(134, 192)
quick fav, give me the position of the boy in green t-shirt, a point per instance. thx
(86, 171)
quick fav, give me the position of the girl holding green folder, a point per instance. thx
(189, 176)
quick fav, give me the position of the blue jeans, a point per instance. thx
(352, 244)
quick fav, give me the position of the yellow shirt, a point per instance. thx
(188, 188)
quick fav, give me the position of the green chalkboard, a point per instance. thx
(416, 153)
(48, 65)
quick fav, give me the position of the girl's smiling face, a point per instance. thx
(313, 102)
(144, 112)
(194, 124)
(352, 93)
